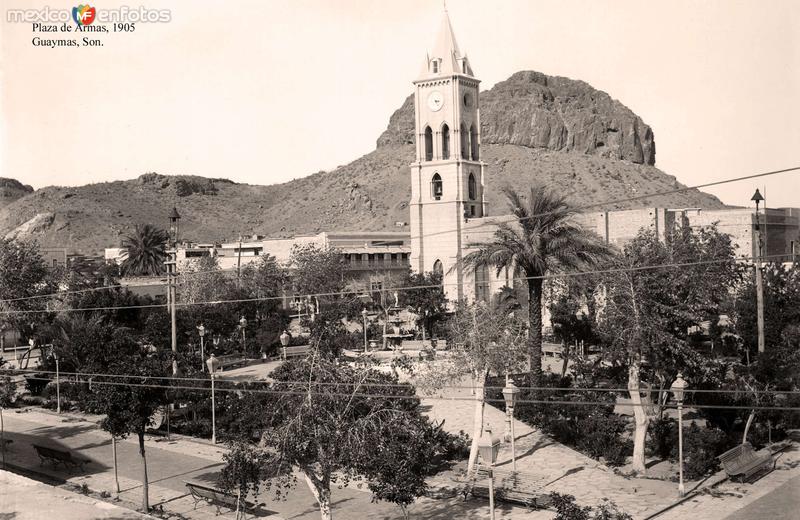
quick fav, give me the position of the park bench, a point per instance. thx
(745, 463)
(231, 360)
(511, 486)
(57, 457)
(297, 351)
(218, 498)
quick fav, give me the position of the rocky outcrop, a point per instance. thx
(34, 226)
(11, 190)
(534, 110)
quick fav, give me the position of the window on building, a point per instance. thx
(436, 187)
(428, 144)
(464, 143)
(472, 188)
(473, 140)
(435, 66)
(438, 268)
(445, 141)
(376, 285)
(472, 210)
(481, 283)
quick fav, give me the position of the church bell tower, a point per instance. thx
(447, 176)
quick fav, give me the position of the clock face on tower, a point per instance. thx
(435, 100)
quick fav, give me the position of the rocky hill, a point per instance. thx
(534, 127)
(11, 190)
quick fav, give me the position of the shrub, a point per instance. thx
(601, 436)
(663, 437)
(700, 449)
(567, 509)
(35, 383)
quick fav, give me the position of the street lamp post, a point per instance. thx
(488, 446)
(213, 364)
(757, 198)
(58, 385)
(243, 325)
(678, 388)
(364, 315)
(172, 266)
(510, 393)
(201, 330)
(284, 343)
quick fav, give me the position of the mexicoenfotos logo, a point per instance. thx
(84, 14)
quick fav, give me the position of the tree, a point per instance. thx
(484, 341)
(129, 408)
(243, 473)
(426, 297)
(144, 251)
(649, 309)
(24, 278)
(331, 423)
(781, 306)
(317, 270)
(543, 239)
(570, 323)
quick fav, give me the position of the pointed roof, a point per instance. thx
(446, 50)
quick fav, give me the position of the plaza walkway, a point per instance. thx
(571, 472)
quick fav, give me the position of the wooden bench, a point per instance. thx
(296, 351)
(511, 486)
(218, 498)
(745, 463)
(231, 360)
(57, 457)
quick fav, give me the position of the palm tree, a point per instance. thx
(541, 240)
(144, 251)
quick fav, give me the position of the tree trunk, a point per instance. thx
(145, 484)
(321, 489)
(747, 426)
(477, 429)
(564, 359)
(535, 330)
(640, 416)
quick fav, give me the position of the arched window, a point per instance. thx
(464, 143)
(473, 140)
(428, 144)
(436, 186)
(471, 187)
(438, 269)
(445, 141)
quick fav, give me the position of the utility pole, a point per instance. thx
(173, 269)
(757, 198)
(239, 264)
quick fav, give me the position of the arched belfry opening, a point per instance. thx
(464, 142)
(473, 141)
(445, 141)
(428, 144)
(436, 186)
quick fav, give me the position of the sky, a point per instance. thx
(265, 91)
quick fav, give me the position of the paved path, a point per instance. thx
(172, 462)
(783, 503)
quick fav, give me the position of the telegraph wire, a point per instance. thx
(398, 289)
(382, 385)
(411, 397)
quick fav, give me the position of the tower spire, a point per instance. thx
(446, 58)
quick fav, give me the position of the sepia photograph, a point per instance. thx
(400, 259)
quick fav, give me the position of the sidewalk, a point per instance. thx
(26, 499)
